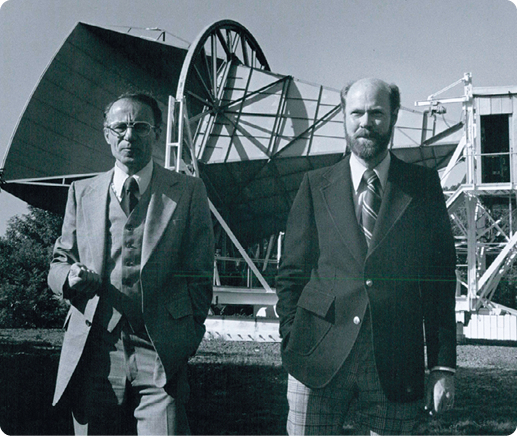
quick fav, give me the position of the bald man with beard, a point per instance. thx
(368, 272)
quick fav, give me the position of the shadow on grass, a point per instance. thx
(234, 399)
(27, 386)
(225, 398)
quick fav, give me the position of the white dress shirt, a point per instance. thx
(143, 178)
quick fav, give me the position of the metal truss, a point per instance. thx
(486, 241)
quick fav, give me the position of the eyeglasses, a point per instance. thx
(140, 128)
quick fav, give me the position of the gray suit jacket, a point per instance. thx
(176, 266)
(329, 277)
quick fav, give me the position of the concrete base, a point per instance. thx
(242, 329)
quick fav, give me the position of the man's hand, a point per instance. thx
(440, 392)
(83, 281)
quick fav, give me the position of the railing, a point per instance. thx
(234, 271)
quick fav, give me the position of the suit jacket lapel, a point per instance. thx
(95, 204)
(165, 194)
(393, 205)
(338, 197)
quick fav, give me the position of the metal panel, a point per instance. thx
(507, 105)
(495, 105)
(260, 120)
(493, 90)
(494, 327)
(483, 104)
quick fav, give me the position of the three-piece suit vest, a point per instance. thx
(122, 265)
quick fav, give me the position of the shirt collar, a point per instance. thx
(357, 170)
(142, 177)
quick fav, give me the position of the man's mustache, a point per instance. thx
(367, 134)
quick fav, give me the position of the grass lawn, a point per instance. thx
(239, 388)
(242, 391)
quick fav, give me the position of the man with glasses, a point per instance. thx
(135, 261)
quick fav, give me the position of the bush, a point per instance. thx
(506, 293)
(25, 253)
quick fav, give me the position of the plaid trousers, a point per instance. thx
(323, 411)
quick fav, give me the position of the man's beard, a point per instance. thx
(368, 144)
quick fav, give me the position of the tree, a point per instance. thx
(506, 292)
(25, 252)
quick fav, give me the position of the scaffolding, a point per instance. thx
(482, 203)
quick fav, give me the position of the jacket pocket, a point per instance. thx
(316, 302)
(314, 317)
(180, 307)
(181, 325)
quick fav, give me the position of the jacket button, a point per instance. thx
(369, 283)
(356, 320)
(88, 323)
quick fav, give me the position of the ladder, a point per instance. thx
(178, 133)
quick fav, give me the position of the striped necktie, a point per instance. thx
(129, 198)
(371, 203)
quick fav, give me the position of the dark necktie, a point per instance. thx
(129, 195)
(371, 203)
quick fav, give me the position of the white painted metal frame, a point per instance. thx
(481, 282)
(178, 119)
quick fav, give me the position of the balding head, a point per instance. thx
(392, 90)
(370, 107)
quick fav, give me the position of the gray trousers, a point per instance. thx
(119, 388)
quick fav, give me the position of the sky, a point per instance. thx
(422, 46)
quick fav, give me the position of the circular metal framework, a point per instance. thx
(205, 70)
(217, 46)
